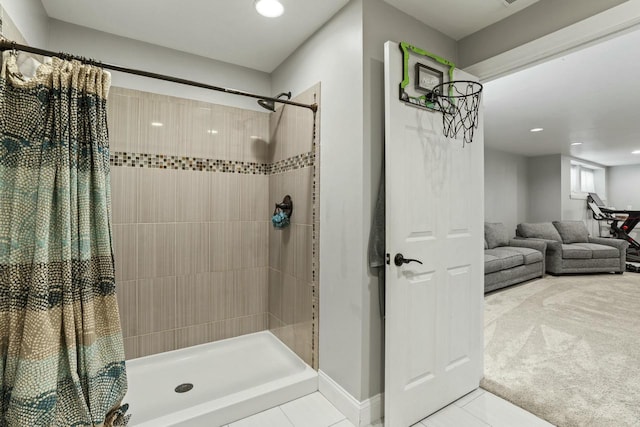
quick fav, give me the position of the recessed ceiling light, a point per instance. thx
(269, 8)
(157, 124)
(576, 143)
(537, 130)
(635, 152)
(212, 131)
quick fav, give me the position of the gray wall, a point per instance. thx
(10, 29)
(30, 18)
(622, 187)
(537, 20)
(544, 178)
(506, 188)
(136, 54)
(535, 189)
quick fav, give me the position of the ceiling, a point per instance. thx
(589, 96)
(226, 30)
(232, 31)
(459, 18)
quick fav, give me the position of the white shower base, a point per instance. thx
(232, 379)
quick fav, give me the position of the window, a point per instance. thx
(575, 178)
(585, 179)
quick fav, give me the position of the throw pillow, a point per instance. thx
(495, 234)
(572, 231)
(538, 230)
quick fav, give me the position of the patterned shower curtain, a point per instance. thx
(61, 349)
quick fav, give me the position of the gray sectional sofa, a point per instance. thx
(570, 249)
(509, 261)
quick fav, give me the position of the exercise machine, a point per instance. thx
(614, 217)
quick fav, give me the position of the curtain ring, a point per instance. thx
(14, 50)
(66, 56)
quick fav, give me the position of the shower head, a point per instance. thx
(271, 105)
(267, 105)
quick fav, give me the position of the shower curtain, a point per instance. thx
(61, 349)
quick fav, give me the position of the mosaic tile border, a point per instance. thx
(161, 161)
(292, 163)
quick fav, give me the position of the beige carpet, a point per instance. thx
(567, 348)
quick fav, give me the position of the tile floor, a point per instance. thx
(477, 409)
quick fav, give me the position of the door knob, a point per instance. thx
(398, 260)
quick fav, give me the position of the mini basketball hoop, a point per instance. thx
(458, 101)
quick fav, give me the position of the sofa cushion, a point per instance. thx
(572, 231)
(492, 264)
(495, 233)
(575, 251)
(600, 251)
(539, 230)
(531, 256)
(509, 258)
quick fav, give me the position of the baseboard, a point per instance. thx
(360, 414)
(372, 410)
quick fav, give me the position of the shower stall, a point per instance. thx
(198, 262)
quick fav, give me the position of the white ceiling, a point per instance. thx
(590, 96)
(226, 30)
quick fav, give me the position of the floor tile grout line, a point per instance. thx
(330, 425)
(486, 424)
(285, 414)
(339, 421)
(475, 416)
(463, 406)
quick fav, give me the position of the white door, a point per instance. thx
(434, 213)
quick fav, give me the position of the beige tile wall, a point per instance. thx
(196, 257)
(191, 247)
(292, 283)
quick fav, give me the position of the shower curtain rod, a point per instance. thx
(8, 45)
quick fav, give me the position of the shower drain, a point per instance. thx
(183, 388)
